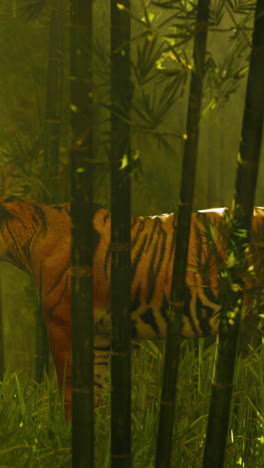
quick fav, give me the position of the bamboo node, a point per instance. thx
(80, 148)
(119, 246)
(81, 390)
(57, 121)
(182, 203)
(122, 456)
(80, 27)
(56, 59)
(219, 385)
(81, 271)
(119, 353)
(166, 403)
(176, 303)
(246, 163)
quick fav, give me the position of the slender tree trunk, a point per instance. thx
(82, 164)
(54, 96)
(172, 352)
(120, 236)
(52, 146)
(245, 187)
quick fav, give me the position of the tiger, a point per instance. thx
(37, 238)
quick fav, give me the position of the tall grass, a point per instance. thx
(32, 428)
(33, 432)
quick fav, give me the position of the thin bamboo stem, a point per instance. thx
(176, 309)
(237, 251)
(120, 236)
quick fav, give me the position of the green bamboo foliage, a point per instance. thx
(82, 164)
(245, 186)
(52, 146)
(120, 236)
(172, 352)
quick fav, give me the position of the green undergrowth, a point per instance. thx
(33, 432)
(32, 428)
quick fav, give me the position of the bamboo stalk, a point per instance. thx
(120, 236)
(52, 141)
(176, 308)
(243, 203)
(54, 96)
(82, 167)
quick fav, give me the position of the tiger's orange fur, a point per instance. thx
(37, 238)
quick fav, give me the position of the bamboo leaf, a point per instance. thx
(32, 9)
(21, 400)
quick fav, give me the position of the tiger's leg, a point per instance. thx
(102, 348)
(60, 344)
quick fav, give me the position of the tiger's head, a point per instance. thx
(20, 222)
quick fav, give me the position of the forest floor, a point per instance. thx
(33, 432)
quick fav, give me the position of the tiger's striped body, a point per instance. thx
(37, 238)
